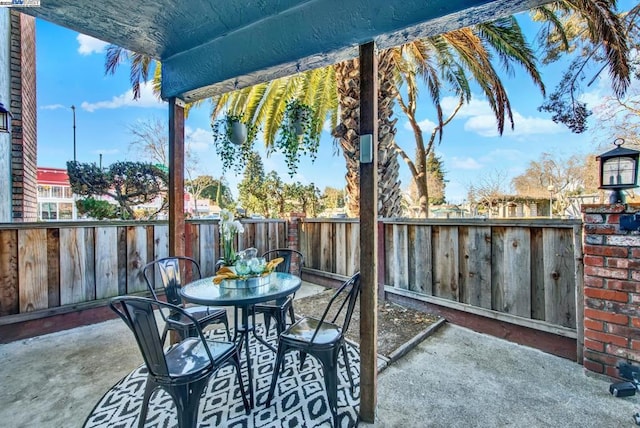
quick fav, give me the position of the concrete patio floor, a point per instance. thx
(455, 378)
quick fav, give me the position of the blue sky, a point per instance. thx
(70, 71)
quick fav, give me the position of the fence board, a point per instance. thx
(273, 235)
(208, 257)
(341, 249)
(160, 242)
(475, 266)
(559, 271)
(353, 254)
(106, 259)
(420, 259)
(32, 270)
(136, 258)
(537, 275)
(261, 239)
(9, 296)
(122, 260)
(90, 263)
(326, 247)
(445, 262)
(511, 267)
(400, 261)
(73, 266)
(53, 266)
(389, 256)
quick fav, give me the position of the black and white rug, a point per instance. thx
(300, 399)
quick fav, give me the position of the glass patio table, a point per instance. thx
(205, 292)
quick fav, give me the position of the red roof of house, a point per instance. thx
(53, 176)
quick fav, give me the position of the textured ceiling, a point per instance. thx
(211, 47)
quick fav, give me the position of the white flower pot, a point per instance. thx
(237, 133)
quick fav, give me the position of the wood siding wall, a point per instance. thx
(52, 265)
(525, 269)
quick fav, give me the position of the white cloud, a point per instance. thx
(198, 140)
(425, 125)
(53, 107)
(147, 100)
(465, 163)
(89, 45)
(477, 107)
(485, 125)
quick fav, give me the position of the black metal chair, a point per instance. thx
(171, 277)
(184, 369)
(278, 309)
(322, 339)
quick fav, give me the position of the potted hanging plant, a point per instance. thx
(233, 138)
(299, 133)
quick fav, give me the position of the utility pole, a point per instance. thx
(73, 108)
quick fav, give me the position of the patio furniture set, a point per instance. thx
(184, 369)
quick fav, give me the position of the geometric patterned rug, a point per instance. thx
(300, 399)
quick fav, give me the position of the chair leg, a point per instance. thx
(267, 323)
(303, 357)
(276, 371)
(347, 367)
(148, 390)
(291, 314)
(225, 321)
(187, 399)
(236, 363)
(329, 362)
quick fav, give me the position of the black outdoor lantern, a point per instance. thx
(5, 119)
(618, 171)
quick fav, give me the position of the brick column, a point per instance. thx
(23, 124)
(293, 236)
(611, 289)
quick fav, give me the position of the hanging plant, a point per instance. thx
(298, 134)
(233, 139)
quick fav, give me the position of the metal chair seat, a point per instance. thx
(189, 360)
(303, 331)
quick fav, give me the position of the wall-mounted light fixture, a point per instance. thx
(618, 171)
(5, 119)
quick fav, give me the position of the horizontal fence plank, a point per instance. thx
(525, 322)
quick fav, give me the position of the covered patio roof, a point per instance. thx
(208, 48)
(212, 47)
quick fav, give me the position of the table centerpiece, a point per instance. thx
(246, 273)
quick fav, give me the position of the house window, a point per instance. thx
(44, 191)
(68, 194)
(66, 211)
(48, 211)
(56, 192)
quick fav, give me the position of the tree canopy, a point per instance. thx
(126, 183)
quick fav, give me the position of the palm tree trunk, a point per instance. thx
(348, 85)
(389, 193)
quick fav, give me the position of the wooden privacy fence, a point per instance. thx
(49, 268)
(528, 272)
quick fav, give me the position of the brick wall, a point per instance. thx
(293, 238)
(24, 122)
(611, 289)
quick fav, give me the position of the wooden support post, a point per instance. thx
(369, 234)
(176, 178)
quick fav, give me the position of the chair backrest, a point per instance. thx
(138, 314)
(171, 275)
(288, 255)
(346, 297)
